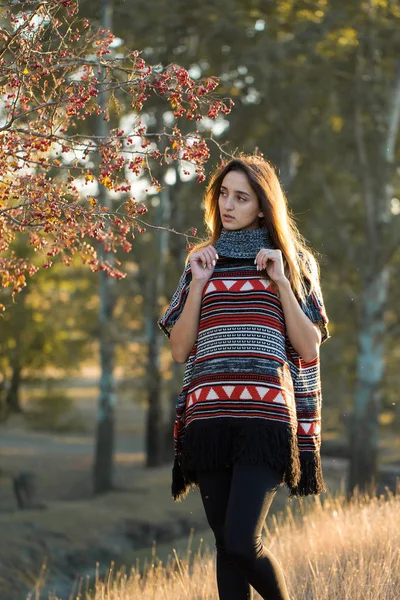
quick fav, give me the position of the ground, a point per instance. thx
(72, 529)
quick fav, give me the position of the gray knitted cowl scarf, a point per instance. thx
(242, 243)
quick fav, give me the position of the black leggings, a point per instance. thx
(236, 501)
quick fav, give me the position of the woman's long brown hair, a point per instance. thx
(299, 261)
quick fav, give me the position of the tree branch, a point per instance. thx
(170, 229)
(11, 38)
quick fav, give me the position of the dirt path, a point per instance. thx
(62, 464)
(78, 529)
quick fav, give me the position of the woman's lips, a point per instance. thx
(228, 217)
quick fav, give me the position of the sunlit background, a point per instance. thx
(316, 87)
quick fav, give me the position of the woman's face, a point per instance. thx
(238, 204)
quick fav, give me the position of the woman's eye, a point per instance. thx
(223, 193)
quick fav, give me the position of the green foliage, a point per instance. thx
(312, 85)
(298, 73)
(50, 324)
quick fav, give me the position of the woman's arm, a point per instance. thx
(304, 335)
(184, 333)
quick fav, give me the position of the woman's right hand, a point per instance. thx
(206, 256)
(184, 333)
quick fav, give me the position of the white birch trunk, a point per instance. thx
(364, 429)
(104, 451)
(370, 371)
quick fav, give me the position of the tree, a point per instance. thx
(104, 452)
(346, 139)
(57, 76)
(54, 70)
(317, 89)
(51, 323)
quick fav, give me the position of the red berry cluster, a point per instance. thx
(50, 84)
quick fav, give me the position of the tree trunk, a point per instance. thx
(154, 426)
(13, 404)
(177, 376)
(103, 467)
(155, 421)
(177, 248)
(364, 429)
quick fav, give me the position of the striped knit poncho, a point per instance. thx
(247, 396)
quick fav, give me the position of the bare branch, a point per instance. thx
(169, 229)
(19, 223)
(26, 113)
(23, 26)
(220, 148)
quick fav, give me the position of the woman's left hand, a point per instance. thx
(272, 262)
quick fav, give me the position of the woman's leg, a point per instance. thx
(252, 490)
(214, 488)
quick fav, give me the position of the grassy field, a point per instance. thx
(346, 551)
(330, 550)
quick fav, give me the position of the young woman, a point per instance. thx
(247, 318)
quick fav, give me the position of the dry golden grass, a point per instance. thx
(330, 550)
(339, 550)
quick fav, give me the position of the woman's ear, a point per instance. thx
(261, 214)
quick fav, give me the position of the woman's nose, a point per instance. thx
(228, 203)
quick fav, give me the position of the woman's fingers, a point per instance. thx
(203, 262)
(212, 256)
(207, 257)
(210, 253)
(262, 259)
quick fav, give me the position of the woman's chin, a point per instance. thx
(232, 225)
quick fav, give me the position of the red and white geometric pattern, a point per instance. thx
(306, 428)
(236, 285)
(236, 392)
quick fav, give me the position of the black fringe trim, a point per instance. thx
(312, 480)
(219, 443)
(180, 485)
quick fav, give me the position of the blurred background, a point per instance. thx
(316, 87)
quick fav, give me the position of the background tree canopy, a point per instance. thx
(316, 87)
